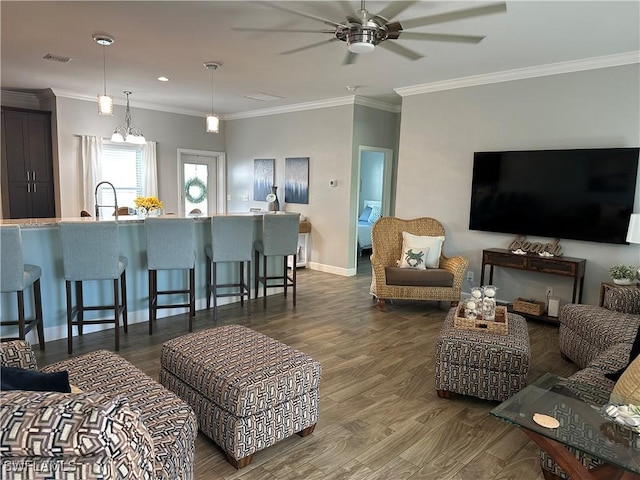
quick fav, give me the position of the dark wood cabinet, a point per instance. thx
(27, 161)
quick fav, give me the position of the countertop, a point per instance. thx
(122, 219)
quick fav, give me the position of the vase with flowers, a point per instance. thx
(148, 206)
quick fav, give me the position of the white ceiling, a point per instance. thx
(174, 38)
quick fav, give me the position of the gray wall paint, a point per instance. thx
(325, 136)
(171, 131)
(441, 130)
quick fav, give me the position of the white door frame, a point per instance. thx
(219, 159)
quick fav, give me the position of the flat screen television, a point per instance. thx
(584, 194)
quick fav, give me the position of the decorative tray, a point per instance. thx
(499, 325)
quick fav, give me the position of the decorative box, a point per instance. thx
(529, 306)
(499, 325)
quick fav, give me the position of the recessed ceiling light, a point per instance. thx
(164, 79)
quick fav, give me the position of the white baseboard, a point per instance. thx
(345, 272)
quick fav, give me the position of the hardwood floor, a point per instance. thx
(380, 417)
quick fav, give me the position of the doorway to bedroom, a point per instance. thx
(374, 198)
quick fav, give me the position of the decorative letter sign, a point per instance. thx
(544, 249)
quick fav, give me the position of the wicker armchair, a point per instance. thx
(434, 284)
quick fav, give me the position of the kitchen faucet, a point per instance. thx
(115, 200)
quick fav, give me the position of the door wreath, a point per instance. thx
(196, 183)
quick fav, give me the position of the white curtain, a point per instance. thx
(149, 170)
(90, 154)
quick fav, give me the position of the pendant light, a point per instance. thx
(105, 102)
(213, 122)
(128, 133)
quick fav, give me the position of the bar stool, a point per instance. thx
(16, 276)
(231, 241)
(170, 246)
(279, 238)
(91, 251)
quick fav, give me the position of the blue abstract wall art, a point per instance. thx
(296, 180)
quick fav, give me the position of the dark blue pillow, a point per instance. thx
(635, 351)
(364, 216)
(13, 378)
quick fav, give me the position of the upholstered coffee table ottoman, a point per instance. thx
(248, 390)
(482, 364)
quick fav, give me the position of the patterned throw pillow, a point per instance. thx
(432, 244)
(376, 213)
(413, 257)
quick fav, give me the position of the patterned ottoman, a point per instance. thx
(484, 365)
(248, 390)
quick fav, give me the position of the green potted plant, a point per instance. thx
(622, 274)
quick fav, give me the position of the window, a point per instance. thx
(122, 166)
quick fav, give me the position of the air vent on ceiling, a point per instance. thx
(57, 58)
(263, 97)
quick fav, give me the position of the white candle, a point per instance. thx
(490, 292)
(471, 305)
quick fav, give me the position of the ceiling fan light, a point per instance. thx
(362, 40)
(213, 123)
(361, 47)
(105, 105)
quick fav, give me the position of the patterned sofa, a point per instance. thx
(598, 340)
(123, 425)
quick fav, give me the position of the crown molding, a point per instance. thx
(369, 102)
(592, 63)
(117, 101)
(11, 98)
(298, 107)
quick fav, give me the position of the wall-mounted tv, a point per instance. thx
(582, 194)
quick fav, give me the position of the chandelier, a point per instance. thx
(128, 133)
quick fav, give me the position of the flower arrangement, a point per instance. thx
(148, 203)
(621, 272)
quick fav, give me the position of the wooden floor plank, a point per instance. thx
(380, 417)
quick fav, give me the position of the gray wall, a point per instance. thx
(170, 130)
(441, 130)
(325, 136)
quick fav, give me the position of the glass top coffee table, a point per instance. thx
(582, 425)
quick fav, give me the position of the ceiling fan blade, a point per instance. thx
(400, 50)
(278, 5)
(440, 37)
(395, 8)
(394, 29)
(350, 58)
(306, 47)
(278, 30)
(456, 15)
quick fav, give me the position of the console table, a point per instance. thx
(563, 266)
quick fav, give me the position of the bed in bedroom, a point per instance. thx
(367, 217)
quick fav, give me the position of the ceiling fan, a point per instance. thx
(362, 30)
